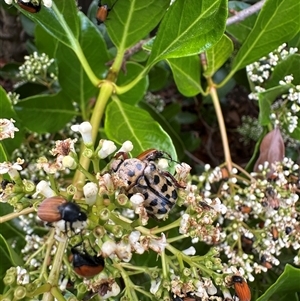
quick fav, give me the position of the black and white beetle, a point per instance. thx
(141, 175)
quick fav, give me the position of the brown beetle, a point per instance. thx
(84, 264)
(241, 288)
(56, 208)
(29, 7)
(102, 12)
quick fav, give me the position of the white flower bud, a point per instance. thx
(134, 241)
(44, 189)
(9, 2)
(190, 251)
(69, 162)
(127, 147)
(108, 147)
(163, 164)
(155, 284)
(123, 251)
(137, 199)
(85, 129)
(90, 191)
(47, 3)
(184, 224)
(158, 245)
(108, 248)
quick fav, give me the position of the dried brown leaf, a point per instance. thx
(271, 150)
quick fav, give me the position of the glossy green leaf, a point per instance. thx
(125, 122)
(186, 72)
(132, 20)
(241, 30)
(265, 100)
(134, 95)
(277, 22)
(291, 65)
(287, 282)
(158, 76)
(217, 55)
(45, 113)
(61, 20)
(165, 121)
(189, 27)
(72, 77)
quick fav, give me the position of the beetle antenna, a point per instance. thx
(113, 4)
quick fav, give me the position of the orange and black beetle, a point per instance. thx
(84, 264)
(56, 208)
(30, 7)
(241, 288)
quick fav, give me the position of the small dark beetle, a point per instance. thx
(102, 12)
(56, 208)
(84, 264)
(29, 7)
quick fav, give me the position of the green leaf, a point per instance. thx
(277, 22)
(216, 58)
(131, 20)
(134, 95)
(265, 100)
(72, 77)
(158, 76)
(45, 113)
(61, 20)
(241, 30)
(165, 121)
(291, 65)
(186, 72)
(288, 282)
(189, 27)
(125, 122)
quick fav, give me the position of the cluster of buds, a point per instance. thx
(36, 69)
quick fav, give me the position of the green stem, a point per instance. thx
(86, 173)
(55, 271)
(164, 265)
(117, 64)
(124, 89)
(57, 294)
(171, 240)
(141, 290)
(216, 102)
(103, 97)
(75, 46)
(189, 260)
(13, 215)
(50, 242)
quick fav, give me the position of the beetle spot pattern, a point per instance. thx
(141, 175)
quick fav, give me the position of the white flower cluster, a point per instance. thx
(35, 68)
(288, 105)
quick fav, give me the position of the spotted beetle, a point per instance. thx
(141, 175)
